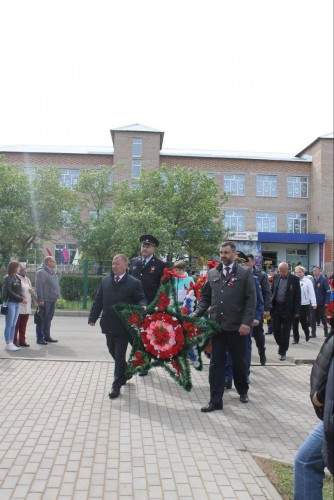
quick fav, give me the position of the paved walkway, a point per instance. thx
(62, 438)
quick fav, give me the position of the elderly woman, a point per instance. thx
(307, 298)
(12, 292)
(25, 309)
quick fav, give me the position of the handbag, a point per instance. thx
(38, 316)
(4, 309)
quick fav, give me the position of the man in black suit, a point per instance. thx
(148, 268)
(286, 302)
(117, 287)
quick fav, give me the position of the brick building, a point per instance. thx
(280, 207)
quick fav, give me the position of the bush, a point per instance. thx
(72, 286)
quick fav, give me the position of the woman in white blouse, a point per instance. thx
(307, 299)
(25, 309)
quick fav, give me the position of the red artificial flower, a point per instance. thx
(164, 301)
(134, 320)
(138, 361)
(177, 367)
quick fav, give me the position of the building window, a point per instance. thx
(64, 253)
(210, 175)
(136, 168)
(266, 222)
(234, 184)
(297, 187)
(137, 147)
(68, 177)
(297, 223)
(266, 185)
(234, 220)
(296, 257)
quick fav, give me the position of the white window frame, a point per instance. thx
(266, 222)
(297, 223)
(297, 186)
(137, 147)
(68, 176)
(234, 220)
(266, 185)
(234, 184)
(136, 169)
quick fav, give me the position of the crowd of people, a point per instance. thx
(236, 294)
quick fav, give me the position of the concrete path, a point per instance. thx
(62, 438)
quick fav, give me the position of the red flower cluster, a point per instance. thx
(191, 329)
(162, 335)
(134, 320)
(164, 301)
(138, 361)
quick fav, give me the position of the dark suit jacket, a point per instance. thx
(292, 297)
(232, 302)
(150, 275)
(128, 290)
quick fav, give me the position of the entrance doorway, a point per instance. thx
(269, 259)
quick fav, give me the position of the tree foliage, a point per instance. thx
(182, 207)
(31, 210)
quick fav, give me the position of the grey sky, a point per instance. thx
(228, 75)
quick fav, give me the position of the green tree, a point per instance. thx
(182, 207)
(94, 227)
(31, 210)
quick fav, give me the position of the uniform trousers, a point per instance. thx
(319, 314)
(236, 345)
(117, 346)
(303, 319)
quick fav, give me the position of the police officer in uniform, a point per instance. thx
(148, 268)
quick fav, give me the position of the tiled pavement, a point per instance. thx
(62, 438)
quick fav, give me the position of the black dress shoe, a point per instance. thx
(313, 336)
(24, 344)
(42, 342)
(114, 393)
(263, 359)
(143, 374)
(244, 398)
(51, 340)
(295, 342)
(212, 407)
(228, 384)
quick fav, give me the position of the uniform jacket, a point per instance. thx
(292, 296)
(47, 285)
(322, 290)
(232, 301)
(128, 290)
(265, 287)
(150, 275)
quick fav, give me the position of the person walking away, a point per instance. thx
(307, 298)
(25, 309)
(118, 287)
(47, 292)
(322, 292)
(230, 293)
(286, 302)
(12, 294)
(258, 330)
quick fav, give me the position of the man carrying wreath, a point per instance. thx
(231, 296)
(118, 287)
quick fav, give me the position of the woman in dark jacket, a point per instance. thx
(12, 294)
